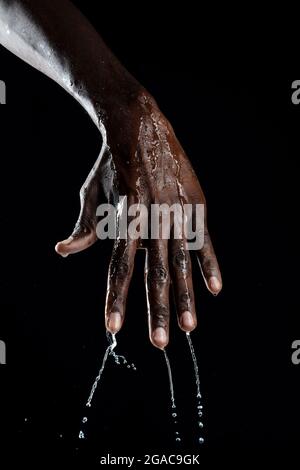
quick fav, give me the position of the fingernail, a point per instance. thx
(160, 336)
(114, 322)
(187, 320)
(67, 241)
(214, 284)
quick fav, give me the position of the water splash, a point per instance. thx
(117, 358)
(199, 396)
(173, 403)
(108, 351)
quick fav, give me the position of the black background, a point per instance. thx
(241, 134)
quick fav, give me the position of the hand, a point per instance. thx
(143, 160)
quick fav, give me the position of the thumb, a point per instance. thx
(84, 233)
(77, 242)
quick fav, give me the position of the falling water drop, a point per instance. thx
(119, 358)
(173, 404)
(84, 420)
(81, 435)
(170, 379)
(197, 379)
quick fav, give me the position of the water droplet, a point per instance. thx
(84, 420)
(176, 432)
(197, 379)
(128, 367)
(174, 415)
(25, 419)
(81, 435)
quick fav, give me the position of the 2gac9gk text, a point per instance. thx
(171, 459)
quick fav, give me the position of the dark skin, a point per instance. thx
(140, 158)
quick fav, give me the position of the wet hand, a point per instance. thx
(143, 160)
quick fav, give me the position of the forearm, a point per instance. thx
(55, 38)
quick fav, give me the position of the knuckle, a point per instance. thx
(158, 274)
(84, 225)
(181, 261)
(89, 190)
(209, 263)
(115, 300)
(120, 267)
(160, 315)
(83, 192)
(185, 298)
(122, 270)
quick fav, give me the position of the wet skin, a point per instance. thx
(140, 158)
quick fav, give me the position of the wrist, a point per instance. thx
(109, 96)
